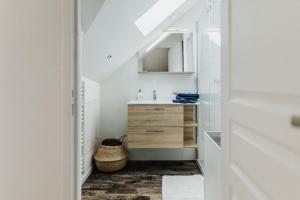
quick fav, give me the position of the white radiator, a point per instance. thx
(82, 94)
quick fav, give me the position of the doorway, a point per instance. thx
(98, 82)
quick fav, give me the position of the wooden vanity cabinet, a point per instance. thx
(161, 126)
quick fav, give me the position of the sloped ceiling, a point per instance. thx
(108, 29)
(89, 11)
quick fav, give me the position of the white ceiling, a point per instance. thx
(108, 28)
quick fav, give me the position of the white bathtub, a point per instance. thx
(212, 166)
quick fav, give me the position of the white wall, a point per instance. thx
(91, 123)
(122, 87)
(36, 145)
(106, 33)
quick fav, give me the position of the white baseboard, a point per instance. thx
(86, 175)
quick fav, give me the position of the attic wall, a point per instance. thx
(107, 28)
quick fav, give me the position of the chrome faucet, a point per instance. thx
(154, 95)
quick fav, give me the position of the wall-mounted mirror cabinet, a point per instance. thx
(172, 52)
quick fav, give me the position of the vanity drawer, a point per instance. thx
(155, 108)
(155, 115)
(155, 137)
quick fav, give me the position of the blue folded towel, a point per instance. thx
(187, 95)
(187, 98)
(183, 101)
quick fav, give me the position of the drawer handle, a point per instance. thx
(156, 109)
(155, 131)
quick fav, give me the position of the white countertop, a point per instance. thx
(158, 101)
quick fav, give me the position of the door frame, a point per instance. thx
(225, 94)
(69, 60)
(76, 95)
(225, 63)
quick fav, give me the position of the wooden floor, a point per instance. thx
(138, 181)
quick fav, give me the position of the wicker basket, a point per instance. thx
(111, 156)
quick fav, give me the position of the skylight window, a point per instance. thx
(159, 12)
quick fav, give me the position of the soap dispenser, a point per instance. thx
(173, 96)
(140, 95)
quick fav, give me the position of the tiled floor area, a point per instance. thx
(138, 181)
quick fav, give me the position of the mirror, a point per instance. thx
(173, 52)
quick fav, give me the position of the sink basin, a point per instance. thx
(158, 101)
(212, 165)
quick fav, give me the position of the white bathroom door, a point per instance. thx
(261, 99)
(36, 122)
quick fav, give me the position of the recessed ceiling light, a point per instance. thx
(109, 56)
